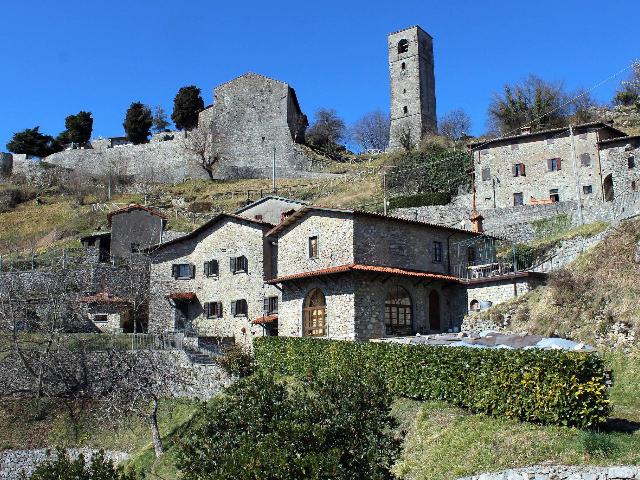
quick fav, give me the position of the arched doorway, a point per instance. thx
(434, 311)
(314, 314)
(398, 312)
(607, 186)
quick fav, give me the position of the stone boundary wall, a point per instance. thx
(15, 462)
(562, 473)
(567, 251)
(201, 381)
(515, 223)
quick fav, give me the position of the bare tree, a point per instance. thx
(583, 106)
(405, 137)
(327, 131)
(455, 125)
(371, 132)
(629, 91)
(202, 142)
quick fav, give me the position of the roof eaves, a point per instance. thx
(620, 139)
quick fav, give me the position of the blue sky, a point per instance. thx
(61, 57)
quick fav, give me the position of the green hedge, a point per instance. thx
(554, 387)
(420, 200)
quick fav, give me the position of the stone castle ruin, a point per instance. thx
(253, 120)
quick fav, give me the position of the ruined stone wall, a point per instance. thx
(6, 164)
(561, 472)
(621, 160)
(223, 240)
(252, 115)
(497, 191)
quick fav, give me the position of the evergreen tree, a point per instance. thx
(186, 106)
(137, 123)
(79, 127)
(31, 142)
(160, 122)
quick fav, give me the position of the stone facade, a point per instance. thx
(220, 239)
(6, 164)
(499, 179)
(412, 79)
(389, 255)
(621, 165)
(135, 228)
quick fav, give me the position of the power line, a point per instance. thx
(510, 133)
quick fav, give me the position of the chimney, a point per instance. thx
(476, 221)
(526, 130)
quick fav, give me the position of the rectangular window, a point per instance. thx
(239, 308)
(518, 199)
(437, 252)
(554, 195)
(518, 170)
(585, 160)
(486, 174)
(183, 271)
(101, 318)
(213, 309)
(587, 189)
(631, 161)
(313, 247)
(270, 305)
(239, 264)
(554, 164)
(211, 268)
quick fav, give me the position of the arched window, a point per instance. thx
(398, 311)
(608, 188)
(474, 305)
(403, 46)
(314, 314)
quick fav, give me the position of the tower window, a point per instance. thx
(403, 46)
(403, 66)
(405, 109)
(404, 90)
(631, 161)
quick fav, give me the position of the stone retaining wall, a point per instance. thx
(562, 473)
(15, 462)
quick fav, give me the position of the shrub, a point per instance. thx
(237, 360)
(420, 199)
(336, 425)
(554, 387)
(61, 466)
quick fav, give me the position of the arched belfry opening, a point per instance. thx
(403, 46)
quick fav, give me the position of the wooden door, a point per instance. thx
(434, 310)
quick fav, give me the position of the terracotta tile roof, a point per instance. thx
(354, 267)
(294, 217)
(136, 206)
(265, 319)
(104, 297)
(188, 296)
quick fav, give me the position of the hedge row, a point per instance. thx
(420, 200)
(552, 387)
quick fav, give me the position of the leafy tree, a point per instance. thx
(629, 92)
(433, 168)
(62, 467)
(327, 131)
(137, 123)
(532, 101)
(79, 127)
(32, 142)
(187, 104)
(371, 132)
(455, 125)
(336, 426)
(160, 122)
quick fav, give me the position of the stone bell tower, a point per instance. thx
(413, 91)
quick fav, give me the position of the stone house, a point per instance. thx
(620, 166)
(542, 167)
(133, 228)
(109, 313)
(269, 209)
